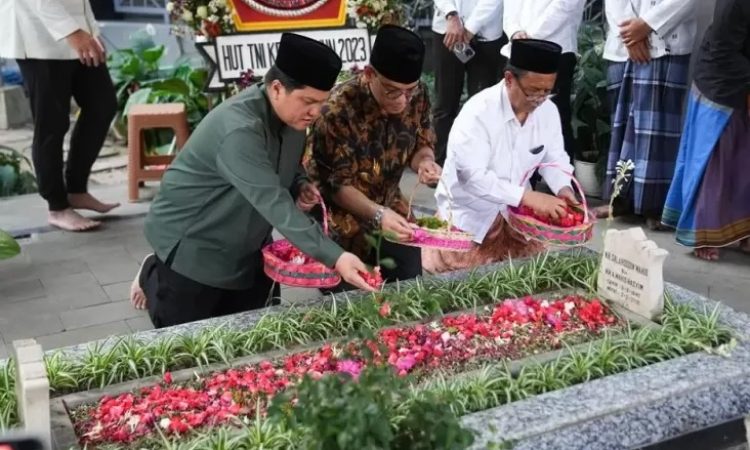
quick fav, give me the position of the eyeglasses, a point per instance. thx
(537, 96)
(395, 94)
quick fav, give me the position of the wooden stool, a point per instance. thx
(146, 117)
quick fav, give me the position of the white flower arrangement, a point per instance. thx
(208, 18)
(373, 13)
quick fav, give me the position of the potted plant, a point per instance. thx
(139, 78)
(14, 178)
(591, 122)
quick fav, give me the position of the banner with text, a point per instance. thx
(231, 55)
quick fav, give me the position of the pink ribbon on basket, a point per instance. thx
(284, 246)
(325, 215)
(422, 237)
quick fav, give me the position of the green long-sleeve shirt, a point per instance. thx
(226, 189)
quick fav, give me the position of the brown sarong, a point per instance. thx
(502, 242)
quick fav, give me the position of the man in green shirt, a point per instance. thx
(236, 179)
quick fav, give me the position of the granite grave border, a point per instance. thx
(626, 410)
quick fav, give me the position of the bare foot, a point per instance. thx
(88, 201)
(137, 296)
(601, 212)
(69, 220)
(707, 253)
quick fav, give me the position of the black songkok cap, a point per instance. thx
(308, 61)
(535, 55)
(398, 54)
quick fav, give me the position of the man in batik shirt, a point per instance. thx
(372, 128)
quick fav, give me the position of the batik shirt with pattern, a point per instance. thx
(355, 143)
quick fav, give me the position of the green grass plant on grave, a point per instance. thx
(382, 410)
(684, 330)
(340, 316)
(8, 417)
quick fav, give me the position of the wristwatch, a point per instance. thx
(451, 14)
(377, 219)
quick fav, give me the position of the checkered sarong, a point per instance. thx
(647, 104)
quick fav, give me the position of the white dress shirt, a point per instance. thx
(674, 22)
(551, 20)
(489, 151)
(37, 29)
(483, 18)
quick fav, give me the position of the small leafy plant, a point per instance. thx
(15, 179)
(591, 121)
(139, 78)
(375, 411)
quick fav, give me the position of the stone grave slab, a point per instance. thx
(631, 272)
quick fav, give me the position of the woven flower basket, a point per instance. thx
(532, 228)
(448, 238)
(308, 275)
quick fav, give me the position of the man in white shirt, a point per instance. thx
(478, 24)
(501, 135)
(648, 48)
(556, 21)
(56, 46)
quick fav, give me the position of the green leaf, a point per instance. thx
(388, 263)
(182, 71)
(198, 78)
(153, 55)
(371, 240)
(390, 235)
(131, 68)
(138, 97)
(8, 246)
(171, 86)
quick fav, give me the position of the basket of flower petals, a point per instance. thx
(287, 265)
(572, 229)
(433, 232)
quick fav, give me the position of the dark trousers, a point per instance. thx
(481, 72)
(174, 299)
(408, 261)
(408, 264)
(563, 88)
(50, 84)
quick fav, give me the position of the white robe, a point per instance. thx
(37, 28)
(489, 151)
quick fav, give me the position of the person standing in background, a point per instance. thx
(57, 47)
(556, 21)
(478, 24)
(648, 46)
(709, 198)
